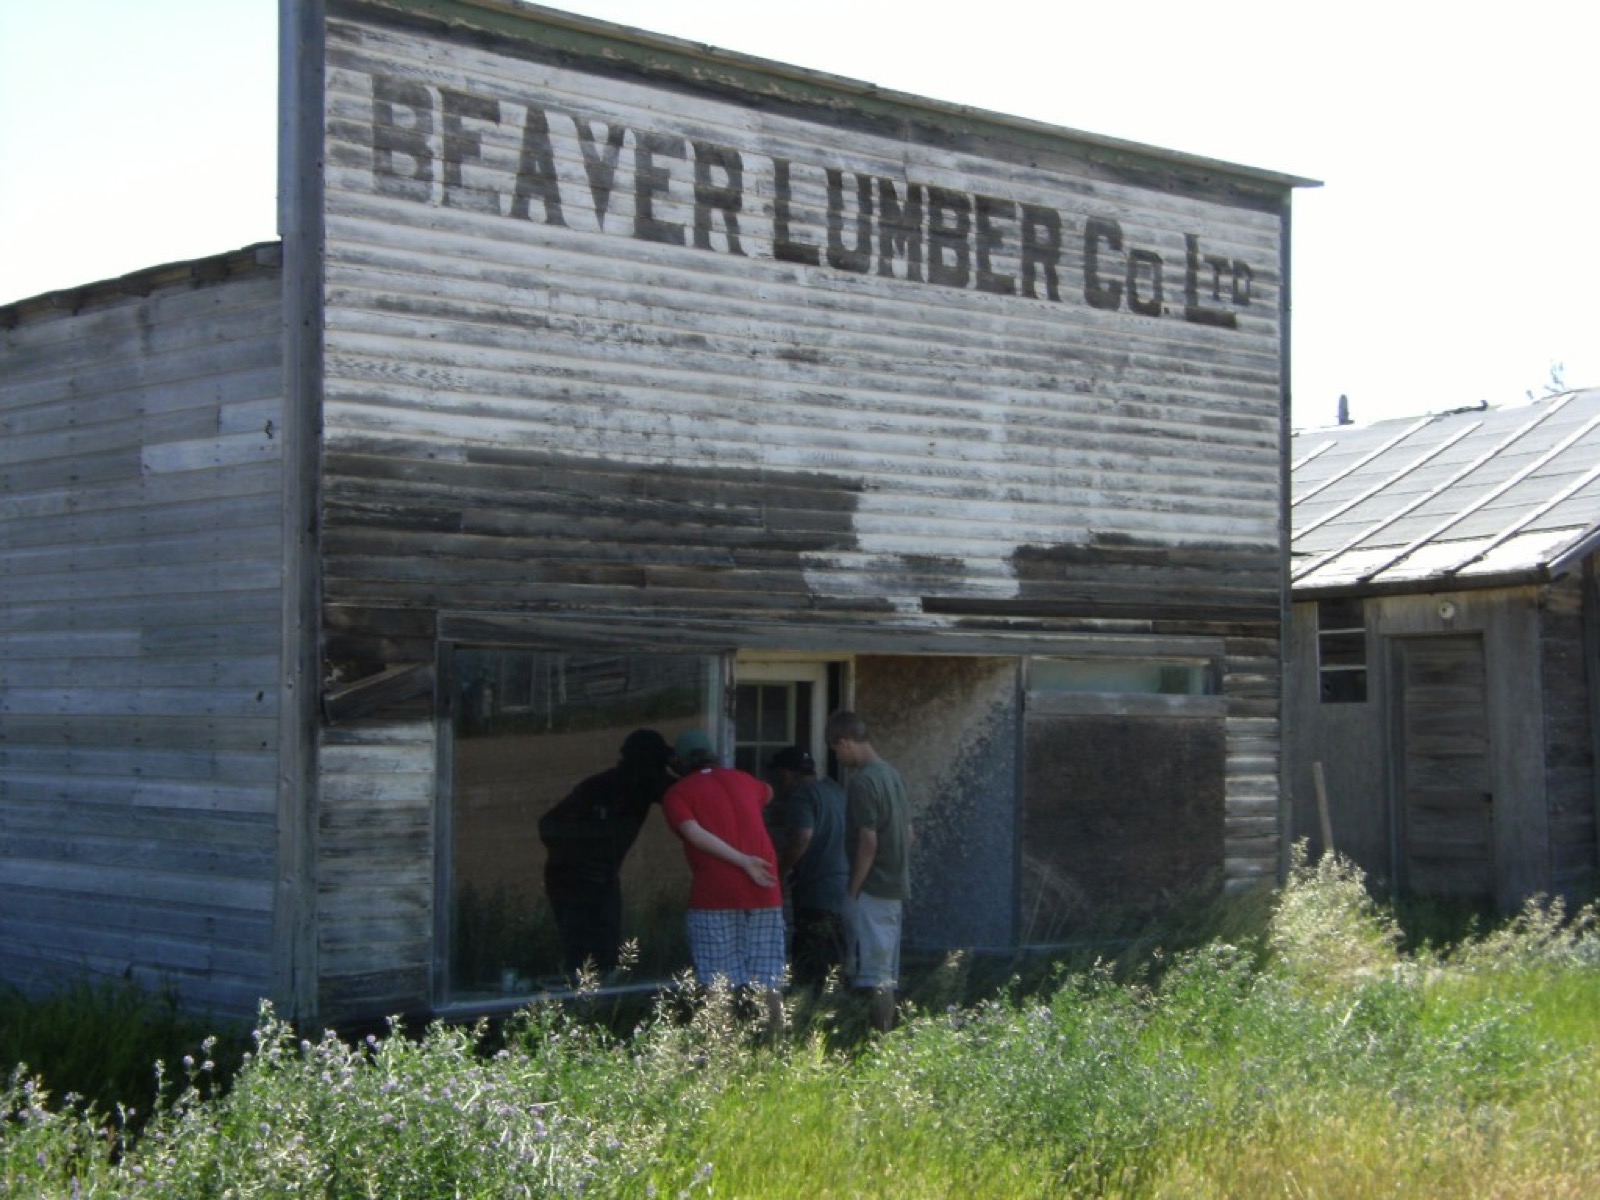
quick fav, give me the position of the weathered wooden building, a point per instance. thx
(1445, 654)
(602, 380)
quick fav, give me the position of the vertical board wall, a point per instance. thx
(1569, 669)
(1539, 751)
(140, 594)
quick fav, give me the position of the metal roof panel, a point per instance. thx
(1471, 493)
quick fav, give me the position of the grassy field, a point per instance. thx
(1302, 1055)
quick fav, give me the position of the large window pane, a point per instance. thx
(529, 727)
(1122, 676)
(1121, 815)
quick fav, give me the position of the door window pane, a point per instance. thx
(777, 713)
(768, 716)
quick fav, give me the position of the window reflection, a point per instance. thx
(535, 729)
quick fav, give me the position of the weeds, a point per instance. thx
(100, 1041)
(1305, 1053)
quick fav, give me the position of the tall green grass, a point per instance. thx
(100, 1040)
(1303, 1054)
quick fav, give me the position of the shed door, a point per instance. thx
(1446, 818)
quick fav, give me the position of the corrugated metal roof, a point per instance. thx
(1459, 499)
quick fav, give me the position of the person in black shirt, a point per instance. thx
(587, 835)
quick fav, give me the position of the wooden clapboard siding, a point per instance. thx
(1252, 821)
(1087, 463)
(554, 420)
(981, 422)
(375, 873)
(1569, 738)
(140, 552)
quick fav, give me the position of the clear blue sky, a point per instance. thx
(1452, 256)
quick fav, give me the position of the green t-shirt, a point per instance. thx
(877, 800)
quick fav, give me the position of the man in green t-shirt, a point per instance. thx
(878, 845)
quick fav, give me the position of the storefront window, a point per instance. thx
(529, 728)
(1124, 786)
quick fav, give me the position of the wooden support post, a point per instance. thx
(1322, 806)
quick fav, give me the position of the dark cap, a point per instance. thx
(645, 745)
(793, 758)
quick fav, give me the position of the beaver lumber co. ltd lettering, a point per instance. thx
(524, 162)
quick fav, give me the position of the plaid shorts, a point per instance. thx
(742, 945)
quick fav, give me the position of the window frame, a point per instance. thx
(1343, 682)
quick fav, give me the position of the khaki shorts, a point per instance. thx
(873, 952)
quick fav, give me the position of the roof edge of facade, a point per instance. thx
(258, 258)
(738, 63)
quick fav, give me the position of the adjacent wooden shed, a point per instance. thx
(1445, 649)
(603, 380)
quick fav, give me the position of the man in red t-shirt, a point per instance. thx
(735, 904)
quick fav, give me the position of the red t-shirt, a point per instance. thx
(727, 803)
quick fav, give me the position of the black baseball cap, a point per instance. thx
(793, 758)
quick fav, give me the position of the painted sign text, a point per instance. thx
(524, 162)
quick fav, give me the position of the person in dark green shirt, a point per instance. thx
(878, 843)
